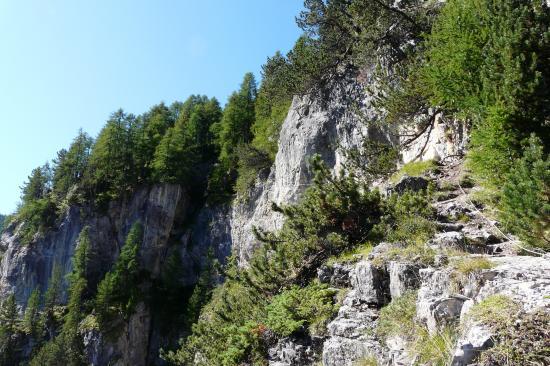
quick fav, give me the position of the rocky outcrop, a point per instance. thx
(323, 126)
(25, 267)
(162, 210)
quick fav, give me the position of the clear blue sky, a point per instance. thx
(69, 64)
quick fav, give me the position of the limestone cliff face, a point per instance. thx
(328, 125)
(25, 267)
(162, 210)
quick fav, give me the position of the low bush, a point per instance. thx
(296, 307)
(525, 203)
(523, 343)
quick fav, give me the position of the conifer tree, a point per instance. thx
(31, 319)
(8, 330)
(117, 293)
(232, 131)
(71, 164)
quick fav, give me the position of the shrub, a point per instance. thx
(523, 343)
(311, 306)
(408, 218)
(36, 217)
(525, 204)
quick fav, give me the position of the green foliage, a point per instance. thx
(336, 214)
(367, 361)
(3, 222)
(8, 330)
(409, 218)
(52, 296)
(36, 217)
(202, 292)
(355, 254)
(525, 204)
(272, 104)
(491, 67)
(311, 306)
(251, 162)
(112, 169)
(229, 329)
(31, 320)
(436, 349)
(37, 211)
(232, 131)
(342, 33)
(71, 165)
(373, 160)
(118, 292)
(397, 318)
(187, 143)
(67, 348)
(470, 265)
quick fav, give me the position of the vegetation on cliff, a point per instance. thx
(483, 62)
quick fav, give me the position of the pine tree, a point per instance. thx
(71, 164)
(525, 206)
(8, 330)
(117, 293)
(232, 131)
(31, 319)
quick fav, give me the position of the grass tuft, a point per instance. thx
(414, 169)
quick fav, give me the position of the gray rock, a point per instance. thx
(448, 240)
(476, 339)
(403, 277)
(370, 283)
(337, 275)
(452, 210)
(406, 183)
(295, 351)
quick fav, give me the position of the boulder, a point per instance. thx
(406, 183)
(370, 283)
(403, 277)
(337, 275)
(476, 339)
(295, 351)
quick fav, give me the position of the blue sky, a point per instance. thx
(68, 64)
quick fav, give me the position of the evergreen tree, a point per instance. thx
(37, 186)
(112, 169)
(67, 348)
(52, 297)
(233, 130)
(188, 143)
(71, 164)
(152, 127)
(31, 319)
(8, 331)
(525, 206)
(117, 293)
